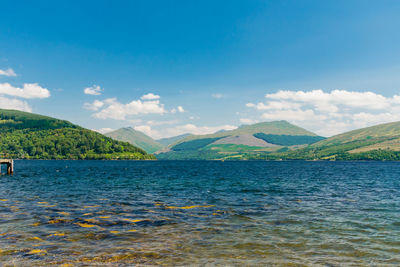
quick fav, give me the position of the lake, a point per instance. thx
(172, 213)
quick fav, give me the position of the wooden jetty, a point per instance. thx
(9, 163)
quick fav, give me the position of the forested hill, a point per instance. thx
(32, 136)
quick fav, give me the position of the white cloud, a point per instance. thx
(93, 90)
(177, 109)
(150, 96)
(104, 130)
(217, 95)
(147, 130)
(8, 72)
(119, 111)
(329, 113)
(29, 90)
(12, 103)
(149, 104)
(247, 121)
(96, 105)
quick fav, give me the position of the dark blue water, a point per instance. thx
(80, 213)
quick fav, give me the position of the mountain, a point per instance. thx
(380, 142)
(170, 140)
(136, 138)
(33, 136)
(242, 143)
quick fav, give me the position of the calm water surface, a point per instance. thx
(85, 213)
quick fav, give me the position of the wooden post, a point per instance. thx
(9, 163)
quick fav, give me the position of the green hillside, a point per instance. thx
(136, 138)
(242, 143)
(380, 142)
(170, 140)
(386, 130)
(32, 136)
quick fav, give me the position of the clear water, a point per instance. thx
(84, 213)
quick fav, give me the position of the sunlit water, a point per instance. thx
(84, 213)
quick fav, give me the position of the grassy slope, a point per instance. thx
(387, 130)
(136, 138)
(380, 142)
(392, 144)
(27, 135)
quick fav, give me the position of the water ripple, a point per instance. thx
(171, 213)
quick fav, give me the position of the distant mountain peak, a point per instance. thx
(137, 138)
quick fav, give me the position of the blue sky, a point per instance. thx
(328, 66)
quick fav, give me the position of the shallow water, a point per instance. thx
(84, 213)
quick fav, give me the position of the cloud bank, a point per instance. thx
(111, 108)
(329, 113)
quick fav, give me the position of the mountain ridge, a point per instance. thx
(273, 127)
(245, 139)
